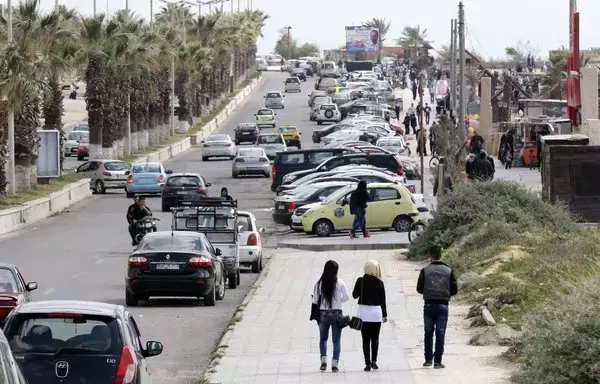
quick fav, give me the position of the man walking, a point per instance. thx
(427, 113)
(437, 283)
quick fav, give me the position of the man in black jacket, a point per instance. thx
(437, 283)
(136, 212)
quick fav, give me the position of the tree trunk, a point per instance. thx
(182, 79)
(94, 78)
(27, 144)
(3, 147)
(53, 111)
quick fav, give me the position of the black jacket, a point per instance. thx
(423, 285)
(373, 292)
(358, 199)
(135, 212)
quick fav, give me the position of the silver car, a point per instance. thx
(218, 145)
(274, 100)
(72, 142)
(105, 174)
(251, 161)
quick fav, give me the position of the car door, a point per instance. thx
(134, 334)
(84, 168)
(93, 172)
(341, 216)
(384, 206)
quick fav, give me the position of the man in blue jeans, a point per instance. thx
(437, 283)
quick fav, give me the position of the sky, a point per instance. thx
(491, 25)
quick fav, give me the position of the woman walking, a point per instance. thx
(370, 292)
(329, 294)
(358, 207)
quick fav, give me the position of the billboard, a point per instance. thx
(48, 161)
(362, 39)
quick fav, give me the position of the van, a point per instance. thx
(299, 160)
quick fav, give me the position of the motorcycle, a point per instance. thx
(144, 226)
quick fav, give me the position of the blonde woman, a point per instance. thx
(370, 292)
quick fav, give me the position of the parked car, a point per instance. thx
(146, 178)
(8, 364)
(175, 263)
(218, 145)
(250, 161)
(395, 145)
(13, 290)
(180, 186)
(83, 148)
(299, 73)
(313, 95)
(265, 117)
(274, 99)
(292, 84)
(271, 143)
(246, 133)
(105, 174)
(390, 205)
(261, 65)
(291, 135)
(250, 242)
(316, 106)
(67, 341)
(72, 142)
(328, 112)
(319, 133)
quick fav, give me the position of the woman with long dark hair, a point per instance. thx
(358, 207)
(329, 293)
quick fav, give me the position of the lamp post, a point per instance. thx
(12, 185)
(289, 42)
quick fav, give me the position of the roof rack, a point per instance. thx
(207, 202)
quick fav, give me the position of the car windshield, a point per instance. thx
(171, 243)
(246, 125)
(251, 152)
(8, 283)
(264, 112)
(85, 139)
(291, 80)
(116, 166)
(288, 129)
(146, 168)
(270, 139)
(322, 99)
(183, 181)
(217, 138)
(273, 95)
(391, 143)
(58, 333)
(77, 135)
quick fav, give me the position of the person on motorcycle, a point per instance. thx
(136, 212)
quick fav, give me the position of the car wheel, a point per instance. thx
(210, 298)
(130, 299)
(234, 175)
(323, 228)
(165, 207)
(257, 265)
(99, 187)
(130, 195)
(204, 158)
(267, 175)
(232, 278)
(221, 290)
(402, 224)
(80, 158)
(238, 276)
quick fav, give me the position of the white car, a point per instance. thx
(292, 84)
(341, 136)
(394, 144)
(271, 143)
(250, 246)
(265, 117)
(72, 142)
(328, 112)
(218, 145)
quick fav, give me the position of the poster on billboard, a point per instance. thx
(362, 39)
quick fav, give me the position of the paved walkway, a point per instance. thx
(275, 343)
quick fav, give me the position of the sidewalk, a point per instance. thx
(274, 342)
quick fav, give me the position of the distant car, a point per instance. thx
(72, 142)
(265, 117)
(313, 95)
(250, 242)
(292, 84)
(67, 341)
(246, 133)
(13, 289)
(271, 143)
(83, 148)
(218, 145)
(395, 145)
(291, 135)
(179, 263)
(81, 127)
(261, 65)
(316, 106)
(299, 73)
(250, 161)
(180, 186)
(146, 178)
(274, 99)
(328, 112)
(105, 174)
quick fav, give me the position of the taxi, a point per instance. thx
(291, 135)
(265, 117)
(390, 205)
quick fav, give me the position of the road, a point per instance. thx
(82, 254)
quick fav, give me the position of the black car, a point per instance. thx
(286, 204)
(179, 263)
(180, 186)
(299, 72)
(67, 341)
(246, 133)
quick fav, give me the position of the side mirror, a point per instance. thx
(32, 286)
(218, 252)
(208, 184)
(153, 348)
(127, 172)
(168, 171)
(261, 230)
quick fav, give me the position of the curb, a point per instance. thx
(342, 247)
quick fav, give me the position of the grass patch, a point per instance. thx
(40, 191)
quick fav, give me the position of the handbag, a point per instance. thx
(353, 322)
(315, 310)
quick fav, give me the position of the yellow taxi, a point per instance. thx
(390, 205)
(265, 117)
(291, 135)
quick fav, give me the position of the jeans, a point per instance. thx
(329, 318)
(436, 319)
(132, 231)
(359, 220)
(370, 341)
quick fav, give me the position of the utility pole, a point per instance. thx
(422, 142)
(173, 82)
(461, 69)
(289, 42)
(94, 8)
(452, 82)
(56, 4)
(455, 78)
(151, 13)
(238, 5)
(12, 183)
(126, 5)
(572, 10)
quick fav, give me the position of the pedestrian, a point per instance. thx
(480, 168)
(427, 113)
(532, 158)
(421, 145)
(432, 137)
(370, 292)
(431, 95)
(437, 283)
(419, 111)
(414, 90)
(411, 111)
(328, 295)
(476, 142)
(413, 123)
(364, 137)
(406, 123)
(358, 207)
(397, 109)
(509, 149)
(225, 194)
(73, 94)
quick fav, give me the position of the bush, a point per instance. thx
(562, 342)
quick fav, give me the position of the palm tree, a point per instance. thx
(383, 26)
(414, 37)
(554, 81)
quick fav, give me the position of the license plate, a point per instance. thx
(167, 266)
(182, 192)
(245, 133)
(281, 207)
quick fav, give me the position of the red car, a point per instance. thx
(13, 289)
(83, 150)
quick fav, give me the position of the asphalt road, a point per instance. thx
(81, 254)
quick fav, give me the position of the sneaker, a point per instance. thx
(374, 366)
(366, 235)
(334, 366)
(334, 369)
(428, 363)
(367, 368)
(438, 366)
(323, 366)
(352, 235)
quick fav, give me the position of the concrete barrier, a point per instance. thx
(12, 219)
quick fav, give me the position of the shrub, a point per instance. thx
(562, 342)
